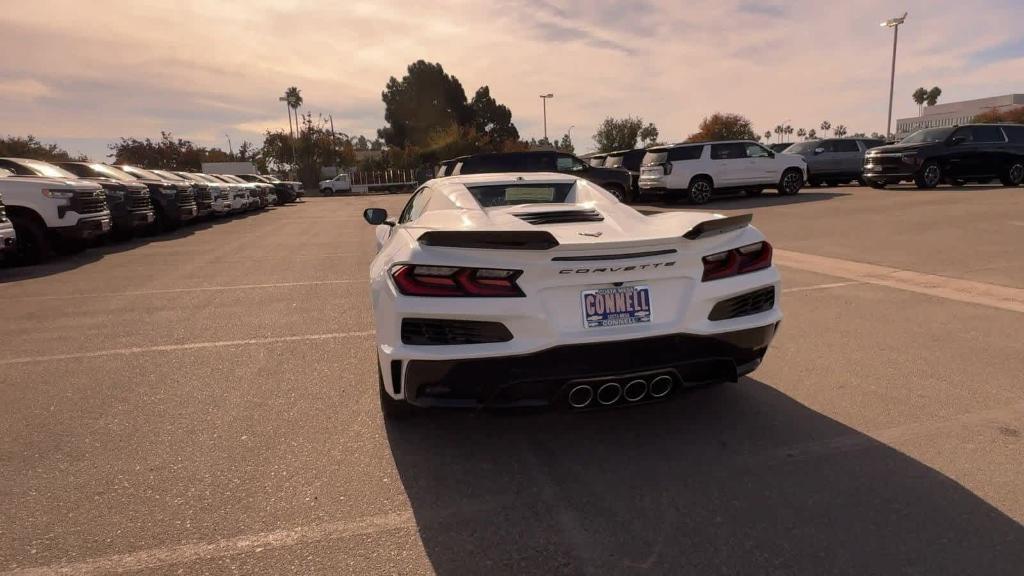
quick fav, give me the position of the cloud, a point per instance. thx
(23, 89)
(761, 9)
(1010, 50)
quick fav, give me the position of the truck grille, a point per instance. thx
(204, 198)
(885, 161)
(138, 201)
(744, 305)
(89, 202)
(186, 198)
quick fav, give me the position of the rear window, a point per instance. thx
(509, 163)
(597, 161)
(1014, 133)
(494, 195)
(632, 159)
(803, 147)
(655, 157)
(614, 161)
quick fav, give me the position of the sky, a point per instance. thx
(84, 73)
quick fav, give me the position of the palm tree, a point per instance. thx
(840, 131)
(787, 131)
(294, 98)
(919, 96)
(812, 134)
(768, 135)
(801, 133)
(933, 95)
(778, 131)
(825, 126)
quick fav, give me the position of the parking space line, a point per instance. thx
(981, 293)
(176, 290)
(176, 347)
(821, 286)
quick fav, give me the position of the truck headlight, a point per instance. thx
(58, 194)
(909, 157)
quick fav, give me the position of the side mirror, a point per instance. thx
(375, 216)
(771, 154)
(819, 150)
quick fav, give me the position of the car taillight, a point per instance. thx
(749, 258)
(449, 281)
(668, 167)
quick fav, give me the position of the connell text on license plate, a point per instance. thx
(619, 306)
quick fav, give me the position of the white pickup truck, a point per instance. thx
(59, 212)
(340, 183)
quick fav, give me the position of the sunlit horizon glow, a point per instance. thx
(83, 74)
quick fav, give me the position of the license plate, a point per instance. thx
(150, 217)
(619, 306)
(105, 225)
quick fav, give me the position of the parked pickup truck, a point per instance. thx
(131, 210)
(59, 212)
(175, 202)
(340, 183)
(7, 235)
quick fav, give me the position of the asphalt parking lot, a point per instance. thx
(205, 402)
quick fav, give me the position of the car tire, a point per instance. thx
(31, 245)
(700, 190)
(929, 176)
(1013, 175)
(390, 408)
(791, 181)
(618, 192)
(327, 192)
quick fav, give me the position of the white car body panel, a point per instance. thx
(550, 314)
(725, 173)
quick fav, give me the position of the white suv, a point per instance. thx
(701, 170)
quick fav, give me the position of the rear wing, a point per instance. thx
(718, 226)
(497, 240)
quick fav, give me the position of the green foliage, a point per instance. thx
(168, 153)
(933, 95)
(30, 147)
(492, 121)
(425, 100)
(623, 134)
(1015, 116)
(721, 126)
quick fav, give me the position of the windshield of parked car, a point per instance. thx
(46, 169)
(613, 161)
(169, 176)
(491, 195)
(140, 173)
(111, 172)
(233, 179)
(803, 147)
(928, 135)
(270, 178)
(656, 157)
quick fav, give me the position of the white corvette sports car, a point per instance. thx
(543, 289)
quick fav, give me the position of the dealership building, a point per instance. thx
(956, 113)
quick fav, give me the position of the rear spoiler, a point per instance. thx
(498, 240)
(718, 226)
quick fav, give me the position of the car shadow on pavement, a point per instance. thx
(740, 201)
(737, 479)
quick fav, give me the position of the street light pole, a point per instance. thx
(893, 23)
(570, 134)
(544, 99)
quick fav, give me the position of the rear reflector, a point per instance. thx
(508, 240)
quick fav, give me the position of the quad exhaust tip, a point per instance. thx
(609, 393)
(661, 386)
(635, 390)
(581, 396)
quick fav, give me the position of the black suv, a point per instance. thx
(175, 202)
(957, 154)
(614, 180)
(128, 199)
(629, 160)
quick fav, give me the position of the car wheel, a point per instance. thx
(31, 245)
(929, 176)
(618, 192)
(326, 192)
(391, 409)
(790, 182)
(700, 190)
(752, 192)
(1013, 175)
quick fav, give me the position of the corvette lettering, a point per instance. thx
(617, 268)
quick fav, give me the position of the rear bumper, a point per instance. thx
(542, 378)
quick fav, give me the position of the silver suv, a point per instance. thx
(834, 161)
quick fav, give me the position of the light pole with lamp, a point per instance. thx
(544, 99)
(570, 134)
(893, 23)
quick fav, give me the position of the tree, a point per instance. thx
(877, 136)
(492, 121)
(424, 101)
(825, 126)
(30, 147)
(565, 144)
(919, 96)
(293, 96)
(840, 131)
(648, 135)
(812, 134)
(801, 134)
(933, 95)
(246, 151)
(623, 133)
(1015, 116)
(768, 135)
(168, 153)
(721, 126)
(778, 131)
(788, 130)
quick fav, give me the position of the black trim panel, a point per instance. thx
(718, 226)
(498, 240)
(604, 257)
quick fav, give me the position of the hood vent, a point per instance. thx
(560, 216)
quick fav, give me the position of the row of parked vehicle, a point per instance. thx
(63, 207)
(699, 171)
